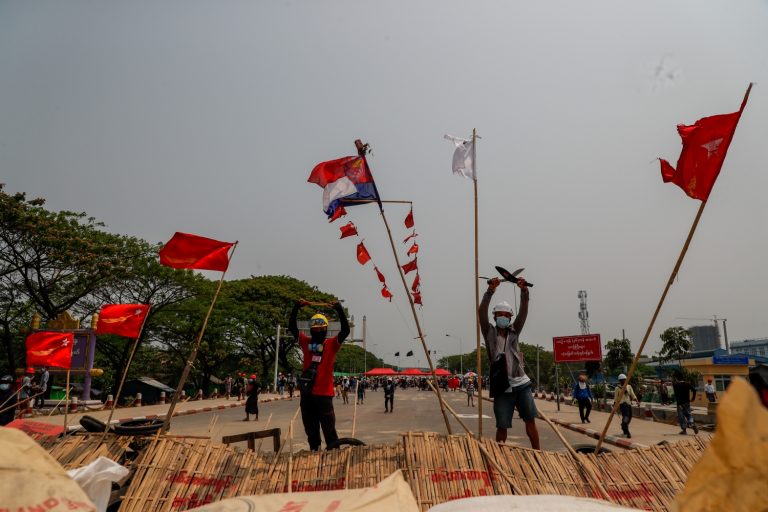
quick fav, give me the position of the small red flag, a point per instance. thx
(379, 275)
(705, 144)
(416, 283)
(348, 229)
(386, 293)
(412, 235)
(48, 348)
(414, 249)
(411, 266)
(409, 219)
(338, 213)
(417, 298)
(362, 254)
(122, 319)
(192, 251)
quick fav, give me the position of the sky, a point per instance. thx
(207, 117)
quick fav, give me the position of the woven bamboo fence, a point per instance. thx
(179, 474)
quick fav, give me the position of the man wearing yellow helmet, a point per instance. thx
(316, 381)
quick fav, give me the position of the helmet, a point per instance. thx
(502, 307)
(253, 376)
(318, 322)
(622, 376)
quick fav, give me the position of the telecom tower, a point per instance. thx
(583, 313)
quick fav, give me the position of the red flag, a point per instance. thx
(379, 275)
(417, 298)
(705, 144)
(414, 249)
(386, 293)
(411, 266)
(362, 254)
(122, 319)
(47, 348)
(409, 219)
(338, 213)
(412, 235)
(416, 283)
(192, 251)
(348, 229)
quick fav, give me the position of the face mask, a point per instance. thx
(4, 387)
(502, 322)
(316, 347)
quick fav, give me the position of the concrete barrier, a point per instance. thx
(137, 402)
(162, 397)
(110, 402)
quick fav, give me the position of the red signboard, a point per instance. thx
(584, 347)
(37, 427)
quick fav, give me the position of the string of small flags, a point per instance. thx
(413, 265)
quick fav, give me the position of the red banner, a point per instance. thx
(584, 347)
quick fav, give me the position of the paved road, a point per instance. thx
(414, 410)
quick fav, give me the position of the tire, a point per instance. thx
(138, 427)
(349, 441)
(589, 448)
(91, 424)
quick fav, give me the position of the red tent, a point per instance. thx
(373, 372)
(412, 371)
(442, 372)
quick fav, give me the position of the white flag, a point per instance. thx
(462, 157)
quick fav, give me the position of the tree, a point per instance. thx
(676, 343)
(350, 358)
(618, 355)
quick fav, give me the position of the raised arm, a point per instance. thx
(344, 331)
(522, 313)
(293, 327)
(483, 310)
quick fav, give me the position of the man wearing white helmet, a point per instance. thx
(626, 405)
(510, 386)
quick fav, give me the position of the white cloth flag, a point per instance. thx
(462, 157)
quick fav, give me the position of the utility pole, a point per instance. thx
(365, 349)
(277, 352)
(725, 334)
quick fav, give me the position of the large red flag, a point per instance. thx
(122, 319)
(46, 348)
(410, 266)
(362, 254)
(705, 144)
(348, 229)
(192, 251)
(409, 219)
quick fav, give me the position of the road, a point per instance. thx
(414, 410)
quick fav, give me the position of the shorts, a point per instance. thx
(504, 406)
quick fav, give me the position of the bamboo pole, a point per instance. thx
(354, 411)
(193, 354)
(66, 405)
(361, 148)
(630, 373)
(477, 296)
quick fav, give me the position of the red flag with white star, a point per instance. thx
(47, 348)
(122, 319)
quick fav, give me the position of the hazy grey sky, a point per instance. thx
(207, 117)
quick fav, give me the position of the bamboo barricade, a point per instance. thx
(78, 450)
(179, 474)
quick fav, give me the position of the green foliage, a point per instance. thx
(676, 344)
(353, 359)
(618, 355)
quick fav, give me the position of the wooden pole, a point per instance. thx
(66, 405)
(125, 374)
(193, 354)
(361, 148)
(354, 412)
(479, 361)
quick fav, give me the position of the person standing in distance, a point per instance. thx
(625, 407)
(316, 381)
(502, 341)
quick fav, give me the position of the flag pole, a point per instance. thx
(617, 399)
(125, 374)
(66, 403)
(193, 354)
(477, 299)
(361, 150)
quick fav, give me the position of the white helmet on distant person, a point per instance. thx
(622, 376)
(502, 307)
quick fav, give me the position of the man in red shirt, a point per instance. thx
(316, 381)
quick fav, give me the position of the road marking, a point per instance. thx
(472, 416)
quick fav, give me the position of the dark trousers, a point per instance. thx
(585, 407)
(389, 402)
(626, 417)
(316, 413)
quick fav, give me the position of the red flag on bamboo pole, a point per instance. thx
(348, 229)
(47, 348)
(705, 144)
(410, 266)
(409, 219)
(362, 254)
(184, 250)
(122, 319)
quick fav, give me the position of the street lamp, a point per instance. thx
(461, 352)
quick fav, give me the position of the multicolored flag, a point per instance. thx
(705, 144)
(344, 178)
(122, 319)
(47, 348)
(195, 252)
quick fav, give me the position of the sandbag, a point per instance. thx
(391, 494)
(30, 479)
(540, 503)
